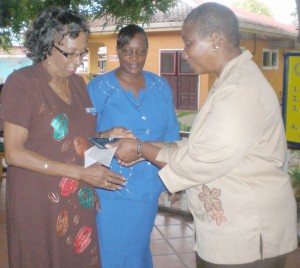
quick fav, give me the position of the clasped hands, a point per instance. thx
(126, 154)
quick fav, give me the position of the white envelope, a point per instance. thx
(95, 154)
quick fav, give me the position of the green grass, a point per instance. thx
(184, 127)
(181, 114)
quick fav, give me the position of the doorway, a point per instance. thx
(182, 80)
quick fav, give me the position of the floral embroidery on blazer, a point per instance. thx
(212, 203)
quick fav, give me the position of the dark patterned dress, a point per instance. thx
(50, 220)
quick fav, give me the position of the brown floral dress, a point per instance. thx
(50, 220)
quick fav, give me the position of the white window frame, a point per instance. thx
(270, 65)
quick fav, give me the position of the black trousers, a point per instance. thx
(276, 262)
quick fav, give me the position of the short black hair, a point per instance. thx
(39, 39)
(213, 17)
(128, 32)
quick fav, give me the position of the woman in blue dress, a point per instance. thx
(141, 102)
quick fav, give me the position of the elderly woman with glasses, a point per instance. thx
(141, 102)
(51, 201)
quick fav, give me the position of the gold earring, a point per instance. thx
(216, 48)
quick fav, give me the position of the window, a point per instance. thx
(167, 62)
(102, 59)
(270, 59)
(183, 67)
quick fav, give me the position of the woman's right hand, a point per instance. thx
(101, 177)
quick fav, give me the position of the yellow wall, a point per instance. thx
(157, 41)
(160, 41)
(108, 41)
(172, 40)
(274, 76)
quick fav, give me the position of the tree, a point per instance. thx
(294, 18)
(254, 6)
(260, 8)
(16, 15)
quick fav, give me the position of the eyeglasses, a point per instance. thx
(72, 55)
(129, 52)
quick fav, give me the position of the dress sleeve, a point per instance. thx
(16, 100)
(218, 141)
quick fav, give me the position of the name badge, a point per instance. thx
(91, 110)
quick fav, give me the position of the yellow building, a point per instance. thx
(267, 39)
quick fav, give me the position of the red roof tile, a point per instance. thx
(183, 7)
